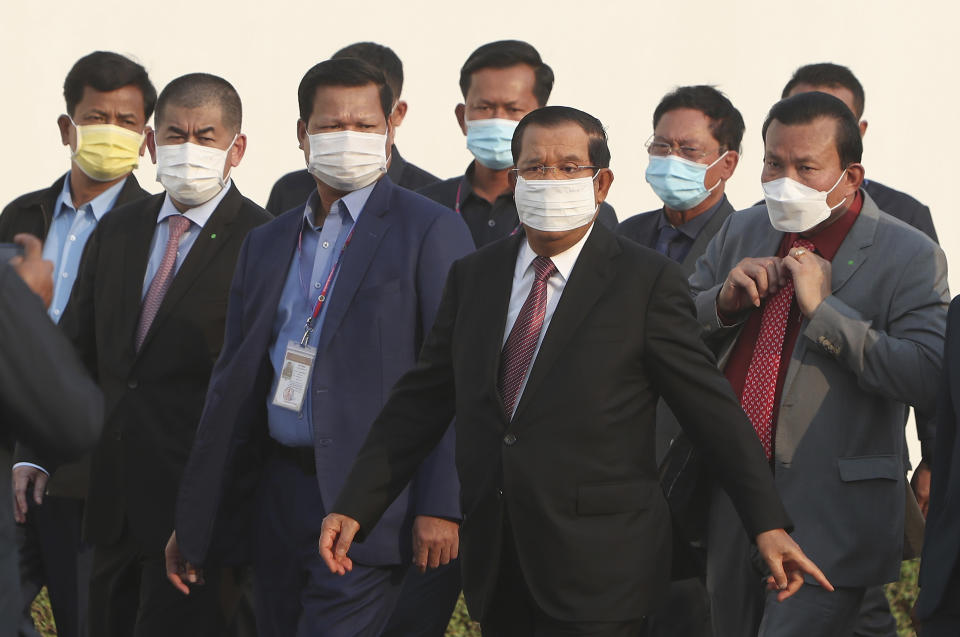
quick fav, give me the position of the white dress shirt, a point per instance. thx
(523, 277)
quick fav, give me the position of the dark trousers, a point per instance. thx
(875, 618)
(685, 611)
(130, 595)
(295, 592)
(514, 613)
(53, 555)
(426, 602)
(945, 621)
(740, 604)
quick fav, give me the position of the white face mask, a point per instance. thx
(555, 205)
(192, 174)
(794, 207)
(347, 160)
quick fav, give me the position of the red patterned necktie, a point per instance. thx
(518, 350)
(760, 387)
(177, 224)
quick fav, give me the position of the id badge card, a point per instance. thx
(294, 379)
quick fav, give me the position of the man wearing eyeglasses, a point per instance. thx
(501, 82)
(694, 151)
(551, 348)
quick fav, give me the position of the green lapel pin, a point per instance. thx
(214, 236)
(850, 262)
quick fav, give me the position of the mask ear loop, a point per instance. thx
(832, 189)
(714, 164)
(223, 180)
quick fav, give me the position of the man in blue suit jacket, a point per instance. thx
(357, 274)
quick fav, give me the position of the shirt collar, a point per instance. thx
(564, 261)
(351, 204)
(693, 227)
(198, 215)
(100, 205)
(465, 187)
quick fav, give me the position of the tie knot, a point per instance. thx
(544, 268)
(805, 244)
(178, 225)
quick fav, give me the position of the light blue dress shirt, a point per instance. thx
(158, 246)
(320, 248)
(69, 231)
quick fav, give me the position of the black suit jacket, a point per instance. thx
(902, 206)
(33, 211)
(152, 398)
(292, 190)
(46, 399)
(941, 543)
(574, 470)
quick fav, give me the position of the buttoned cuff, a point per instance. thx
(825, 327)
(30, 464)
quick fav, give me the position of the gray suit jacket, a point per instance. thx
(874, 346)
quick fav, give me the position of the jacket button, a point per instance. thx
(132, 383)
(509, 439)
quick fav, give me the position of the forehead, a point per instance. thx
(842, 93)
(548, 143)
(336, 101)
(684, 123)
(816, 139)
(126, 99)
(510, 83)
(202, 116)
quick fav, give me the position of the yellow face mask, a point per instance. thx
(106, 152)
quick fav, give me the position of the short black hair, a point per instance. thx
(550, 116)
(106, 71)
(199, 89)
(726, 123)
(804, 108)
(832, 75)
(379, 56)
(504, 54)
(342, 72)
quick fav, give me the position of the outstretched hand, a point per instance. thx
(787, 564)
(336, 536)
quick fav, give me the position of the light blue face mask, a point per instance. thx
(678, 181)
(489, 141)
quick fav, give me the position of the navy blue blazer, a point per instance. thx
(384, 304)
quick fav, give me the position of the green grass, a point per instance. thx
(901, 594)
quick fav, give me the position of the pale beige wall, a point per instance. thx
(614, 59)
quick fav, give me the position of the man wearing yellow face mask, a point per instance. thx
(109, 99)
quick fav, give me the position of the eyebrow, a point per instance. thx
(179, 131)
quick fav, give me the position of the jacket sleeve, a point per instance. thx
(902, 361)
(52, 404)
(435, 486)
(410, 425)
(686, 375)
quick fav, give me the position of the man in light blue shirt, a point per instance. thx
(109, 100)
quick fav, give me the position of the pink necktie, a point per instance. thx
(177, 225)
(518, 350)
(760, 388)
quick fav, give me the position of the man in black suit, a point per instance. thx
(147, 316)
(292, 189)
(875, 619)
(938, 606)
(551, 350)
(501, 82)
(694, 150)
(109, 99)
(36, 363)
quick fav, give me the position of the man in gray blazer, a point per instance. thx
(827, 316)
(693, 151)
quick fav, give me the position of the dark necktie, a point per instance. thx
(760, 387)
(522, 341)
(668, 234)
(177, 225)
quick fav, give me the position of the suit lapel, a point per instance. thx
(706, 234)
(371, 227)
(495, 284)
(131, 191)
(591, 275)
(212, 237)
(135, 255)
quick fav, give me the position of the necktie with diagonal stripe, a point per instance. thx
(177, 225)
